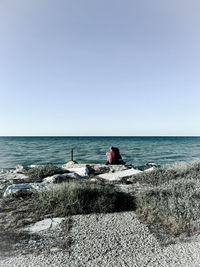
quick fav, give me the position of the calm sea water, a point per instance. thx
(134, 150)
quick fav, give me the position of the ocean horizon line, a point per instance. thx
(99, 136)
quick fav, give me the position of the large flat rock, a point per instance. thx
(81, 171)
(120, 175)
(44, 225)
(94, 169)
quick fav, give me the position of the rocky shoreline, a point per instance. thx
(15, 188)
(112, 239)
(15, 181)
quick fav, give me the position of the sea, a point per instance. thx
(134, 150)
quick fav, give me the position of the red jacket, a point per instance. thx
(111, 156)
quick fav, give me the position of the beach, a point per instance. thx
(123, 238)
(99, 133)
(118, 239)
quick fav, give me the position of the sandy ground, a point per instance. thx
(116, 239)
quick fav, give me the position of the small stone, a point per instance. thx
(2, 186)
(55, 249)
(31, 242)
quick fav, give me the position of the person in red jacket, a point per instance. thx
(111, 156)
(114, 156)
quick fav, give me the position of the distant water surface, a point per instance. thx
(134, 150)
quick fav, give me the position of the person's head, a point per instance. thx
(111, 148)
(116, 151)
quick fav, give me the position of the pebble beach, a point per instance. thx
(117, 239)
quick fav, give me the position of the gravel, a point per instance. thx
(116, 239)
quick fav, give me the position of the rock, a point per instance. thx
(34, 166)
(150, 169)
(97, 169)
(82, 171)
(19, 169)
(124, 188)
(119, 176)
(44, 225)
(24, 189)
(94, 180)
(32, 242)
(17, 181)
(147, 166)
(17, 189)
(2, 170)
(59, 178)
(152, 164)
(2, 186)
(70, 164)
(11, 176)
(55, 249)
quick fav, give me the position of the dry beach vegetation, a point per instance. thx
(172, 203)
(78, 197)
(168, 201)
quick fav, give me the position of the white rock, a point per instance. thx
(118, 176)
(25, 188)
(10, 175)
(44, 225)
(34, 165)
(124, 188)
(32, 242)
(150, 169)
(59, 178)
(95, 169)
(2, 170)
(13, 189)
(19, 169)
(103, 168)
(94, 180)
(152, 164)
(71, 164)
(2, 186)
(55, 249)
(52, 179)
(82, 171)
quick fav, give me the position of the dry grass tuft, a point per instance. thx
(173, 201)
(38, 173)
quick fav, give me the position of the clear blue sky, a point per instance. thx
(109, 67)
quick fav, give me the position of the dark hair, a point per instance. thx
(117, 153)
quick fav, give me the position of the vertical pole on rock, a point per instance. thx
(72, 152)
